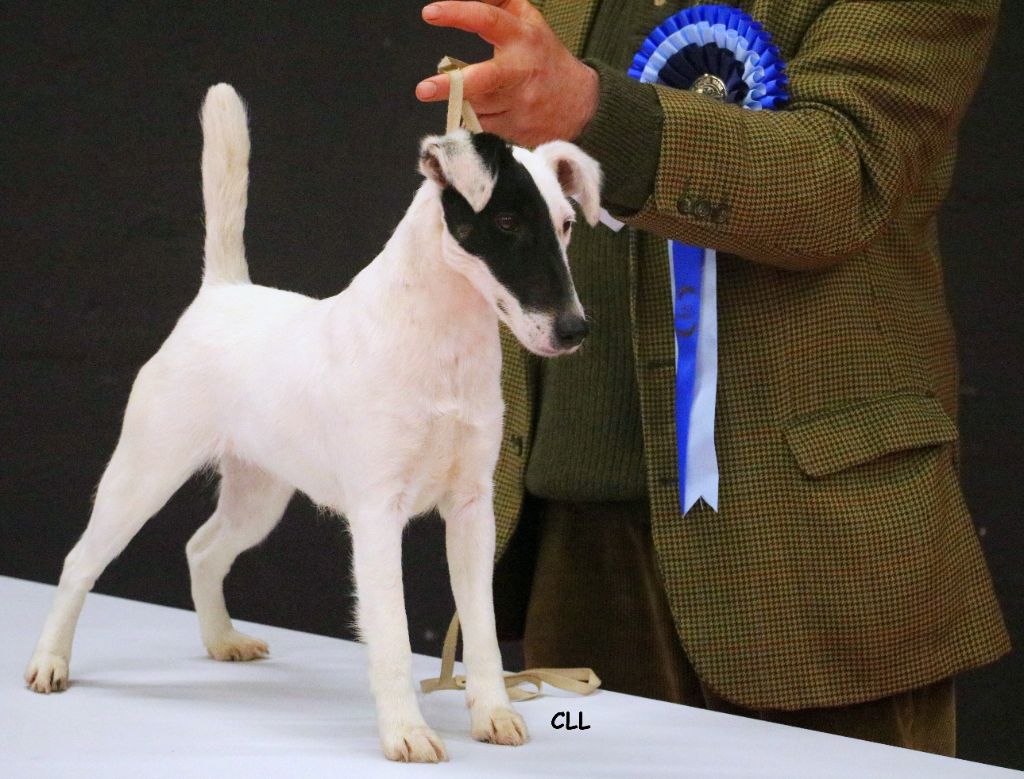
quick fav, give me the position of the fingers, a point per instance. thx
(479, 80)
(495, 25)
(490, 107)
(498, 123)
(506, 126)
(521, 9)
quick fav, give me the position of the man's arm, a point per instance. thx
(878, 89)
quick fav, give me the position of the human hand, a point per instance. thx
(533, 90)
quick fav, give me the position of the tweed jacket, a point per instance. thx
(842, 564)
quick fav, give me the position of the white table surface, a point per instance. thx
(145, 701)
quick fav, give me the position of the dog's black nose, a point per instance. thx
(570, 330)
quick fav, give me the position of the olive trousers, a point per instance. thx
(597, 600)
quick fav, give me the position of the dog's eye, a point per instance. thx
(567, 226)
(507, 221)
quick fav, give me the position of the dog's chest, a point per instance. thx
(458, 400)
(442, 464)
(459, 429)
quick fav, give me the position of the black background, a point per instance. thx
(101, 242)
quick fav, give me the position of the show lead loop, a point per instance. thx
(581, 681)
(460, 112)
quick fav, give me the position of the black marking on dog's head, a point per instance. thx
(513, 233)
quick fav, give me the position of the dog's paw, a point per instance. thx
(413, 744)
(237, 646)
(47, 673)
(500, 725)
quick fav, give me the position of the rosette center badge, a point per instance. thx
(718, 51)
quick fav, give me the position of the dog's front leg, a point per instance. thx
(469, 533)
(377, 557)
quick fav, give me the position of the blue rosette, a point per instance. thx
(717, 50)
(720, 52)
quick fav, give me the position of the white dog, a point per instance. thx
(380, 403)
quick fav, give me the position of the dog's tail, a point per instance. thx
(225, 184)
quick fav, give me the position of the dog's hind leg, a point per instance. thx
(159, 448)
(377, 564)
(251, 503)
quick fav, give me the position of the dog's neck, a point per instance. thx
(417, 264)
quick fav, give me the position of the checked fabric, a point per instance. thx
(842, 565)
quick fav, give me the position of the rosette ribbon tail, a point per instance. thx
(695, 309)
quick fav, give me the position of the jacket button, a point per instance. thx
(702, 209)
(685, 205)
(517, 445)
(719, 213)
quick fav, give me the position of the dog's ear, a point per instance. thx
(578, 174)
(453, 160)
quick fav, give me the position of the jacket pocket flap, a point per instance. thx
(826, 443)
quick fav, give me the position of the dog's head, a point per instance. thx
(508, 222)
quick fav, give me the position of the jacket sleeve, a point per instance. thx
(877, 91)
